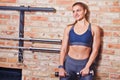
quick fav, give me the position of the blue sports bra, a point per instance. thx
(85, 39)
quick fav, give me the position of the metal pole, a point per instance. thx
(21, 35)
(42, 9)
(52, 50)
(53, 41)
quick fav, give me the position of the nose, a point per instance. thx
(75, 14)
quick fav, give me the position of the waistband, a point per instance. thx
(76, 61)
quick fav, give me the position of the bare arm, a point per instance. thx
(64, 46)
(64, 51)
(95, 49)
(96, 45)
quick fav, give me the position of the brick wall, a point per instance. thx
(41, 65)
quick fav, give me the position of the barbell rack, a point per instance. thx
(21, 38)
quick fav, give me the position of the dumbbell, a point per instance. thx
(57, 74)
(78, 74)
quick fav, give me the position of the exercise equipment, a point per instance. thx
(78, 75)
(21, 38)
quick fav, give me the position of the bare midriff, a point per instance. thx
(79, 52)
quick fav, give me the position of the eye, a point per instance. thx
(73, 11)
(78, 10)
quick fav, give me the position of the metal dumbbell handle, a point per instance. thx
(57, 74)
(78, 74)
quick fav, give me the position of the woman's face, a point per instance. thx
(78, 12)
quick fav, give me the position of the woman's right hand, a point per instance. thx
(62, 72)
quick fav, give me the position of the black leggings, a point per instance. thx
(73, 66)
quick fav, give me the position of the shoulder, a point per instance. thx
(68, 28)
(95, 28)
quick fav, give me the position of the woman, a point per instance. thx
(80, 45)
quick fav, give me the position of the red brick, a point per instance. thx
(3, 59)
(114, 46)
(116, 34)
(3, 64)
(35, 57)
(12, 60)
(2, 43)
(65, 2)
(103, 74)
(4, 16)
(108, 51)
(27, 44)
(113, 70)
(8, 1)
(34, 78)
(116, 3)
(3, 22)
(10, 43)
(69, 8)
(11, 28)
(113, 28)
(51, 1)
(114, 76)
(37, 18)
(116, 21)
(3, 4)
(94, 20)
(104, 9)
(41, 45)
(8, 32)
(26, 78)
(107, 33)
(30, 34)
(16, 17)
(115, 9)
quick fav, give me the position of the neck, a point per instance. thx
(82, 22)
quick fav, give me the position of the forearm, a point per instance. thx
(91, 59)
(95, 46)
(64, 46)
(62, 58)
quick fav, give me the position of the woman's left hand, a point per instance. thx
(84, 71)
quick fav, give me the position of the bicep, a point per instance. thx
(96, 39)
(65, 40)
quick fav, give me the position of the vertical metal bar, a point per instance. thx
(21, 35)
